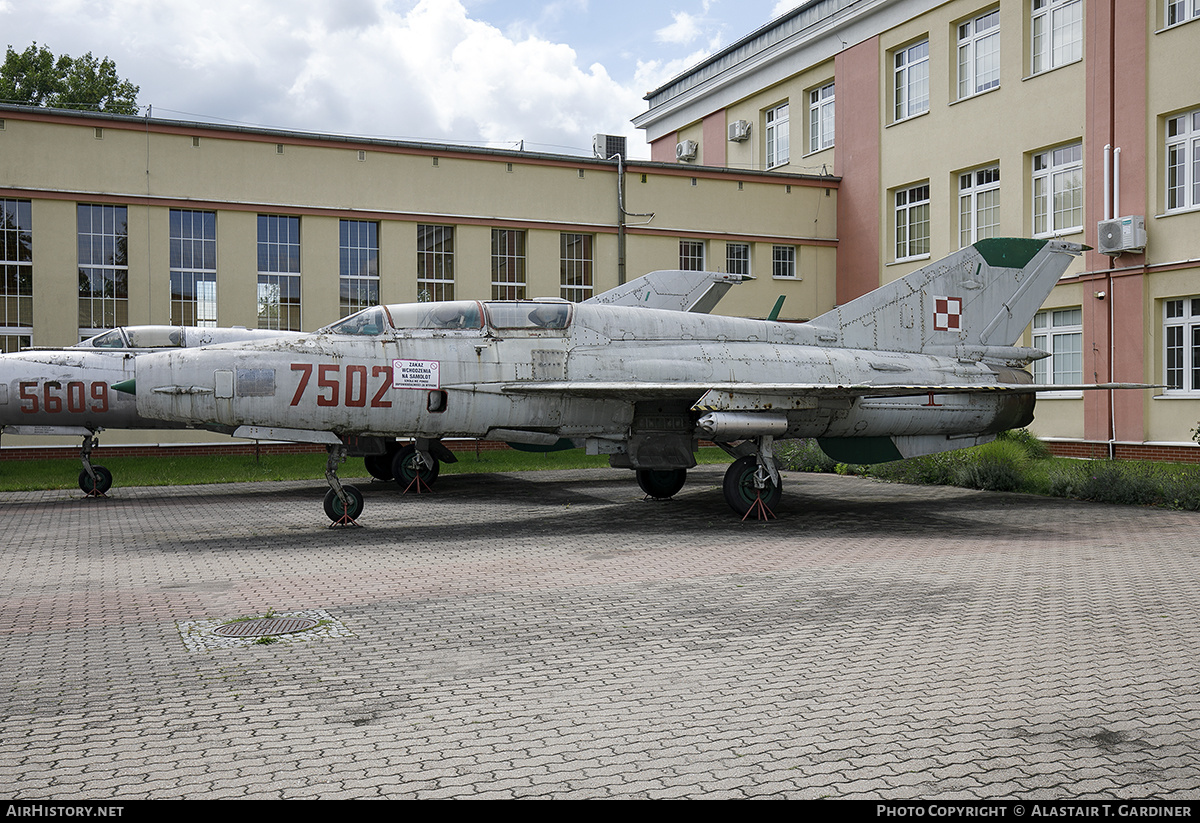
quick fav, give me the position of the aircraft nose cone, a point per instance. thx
(126, 386)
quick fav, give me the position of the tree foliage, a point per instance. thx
(35, 77)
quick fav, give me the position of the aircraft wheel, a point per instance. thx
(662, 483)
(102, 483)
(379, 466)
(335, 510)
(740, 492)
(408, 464)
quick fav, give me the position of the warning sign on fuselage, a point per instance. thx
(416, 374)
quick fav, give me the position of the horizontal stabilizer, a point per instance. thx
(673, 290)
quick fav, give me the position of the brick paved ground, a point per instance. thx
(553, 635)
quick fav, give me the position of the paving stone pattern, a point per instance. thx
(552, 634)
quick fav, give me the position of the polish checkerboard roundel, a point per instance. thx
(947, 313)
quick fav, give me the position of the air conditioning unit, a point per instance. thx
(686, 150)
(607, 145)
(1124, 234)
(739, 130)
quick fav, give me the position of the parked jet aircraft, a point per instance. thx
(66, 391)
(924, 364)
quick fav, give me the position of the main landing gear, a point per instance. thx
(94, 481)
(752, 482)
(661, 484)
(343, 504)
(414, 466)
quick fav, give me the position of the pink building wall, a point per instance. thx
(1116, 116)
(856, 161)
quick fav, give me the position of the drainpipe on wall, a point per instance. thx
(621, 215)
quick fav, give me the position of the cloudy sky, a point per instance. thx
(491, 72)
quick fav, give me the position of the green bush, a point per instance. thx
(804, 456)
(1034, 449)
(998, 466)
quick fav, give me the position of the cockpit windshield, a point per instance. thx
(368, 322)
(137, 337)
(458, 314)
(529, 315)
(108, 340)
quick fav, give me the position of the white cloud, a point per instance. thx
(684, 30)
(426, 70)
(782, 7)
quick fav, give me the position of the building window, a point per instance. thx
(783, 261)
(1183, 161)
(193, 268)
(1057, 33)
(777, 136)
(575, 265)
(1180, 11)
(737, 258)
(912, 222)
(358, 265)
(103, 239)
(1059, 332)
(16, 265)
(820, 118)
(278, 272)
(978, 205)
(691, 255)
(508, 264)
(1058, 191)
(435, 263)
(979, 54)
(1181, 361)
(912, 80)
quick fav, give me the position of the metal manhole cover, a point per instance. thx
(264, 626)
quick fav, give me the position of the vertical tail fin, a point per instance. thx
(982, 296)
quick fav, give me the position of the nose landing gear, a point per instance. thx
(343, 504)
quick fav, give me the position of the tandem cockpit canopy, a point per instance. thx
(456, 315)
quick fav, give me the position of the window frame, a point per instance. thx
(358, 265)
(1049, 175)
(16, 274)
(784, 263)
(1187, 324)
(1187, 144)
(692, 255)
(1190, 11)
(777, 135)
(509, 278)
(278, 293)
(1047, 370)
(914, 198)
(906, 105)
(193, 247)
(821, 118)
(1047, 57)
(968, 47)
(737, 264)
(576, 266)
(970, 190)
(104, 261)
(435, 263)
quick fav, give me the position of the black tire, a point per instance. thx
(740, 492)
(379, 466)
(661, 483)
(102, 483)
(408, 464)
(334, 509)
